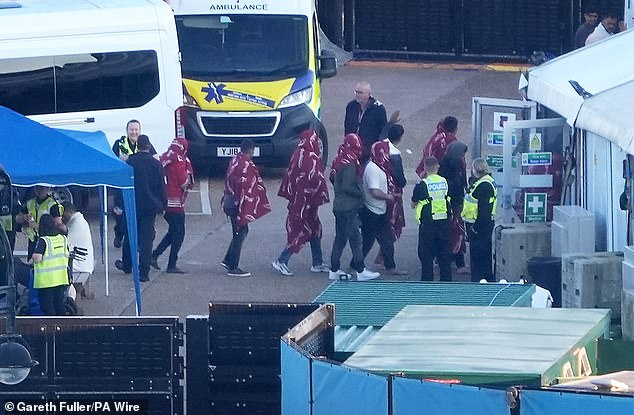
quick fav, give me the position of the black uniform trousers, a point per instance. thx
(434, 241)
(480, 250)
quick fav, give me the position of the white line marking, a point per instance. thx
(204, 197)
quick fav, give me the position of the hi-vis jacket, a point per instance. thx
(52, 271)
(36, 211)
(470, 207)
(437, 188)
(124, 146)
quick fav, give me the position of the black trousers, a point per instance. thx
(377, 228)
(480, 250)
(145, 234)
(434, 241)
(175, 236)
(232, 257)
(52, 300)
(120, 226)
(347, 232)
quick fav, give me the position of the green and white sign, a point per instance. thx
(497, 139)
(496, 161)
(537, 159)
(535, 207)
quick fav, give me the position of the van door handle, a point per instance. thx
(66, 121)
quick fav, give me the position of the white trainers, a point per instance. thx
(320, 268)
(282, 268)
(338, 275)
(366, 275)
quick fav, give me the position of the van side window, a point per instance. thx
(82, 82)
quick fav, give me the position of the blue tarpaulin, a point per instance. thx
(412, 397)
(342, 390)
(295, 381)
(564, 403)
(34, 154)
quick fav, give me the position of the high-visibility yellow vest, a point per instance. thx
(437, 188)
(36, 210)
(124, 146)
(470, 206)
(52, 271)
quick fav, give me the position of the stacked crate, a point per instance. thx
(516, 244)
(592, 281)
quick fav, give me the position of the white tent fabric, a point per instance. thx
(597, 68)
(609, 115)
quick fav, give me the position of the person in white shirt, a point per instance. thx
(79, 236)
(379, 191)
(605, 29)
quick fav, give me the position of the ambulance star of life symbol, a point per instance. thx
(214, 92)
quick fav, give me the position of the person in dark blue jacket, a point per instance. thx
(149, 192)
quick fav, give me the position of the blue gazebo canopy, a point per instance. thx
(34, 154)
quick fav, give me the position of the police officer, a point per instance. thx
(50, 265)
(431, 203)
(478, 212)
(123, 148)
(35, 208)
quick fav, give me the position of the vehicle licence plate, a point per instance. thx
(232, 151)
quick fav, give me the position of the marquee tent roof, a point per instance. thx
(33, 153)
(605, 70)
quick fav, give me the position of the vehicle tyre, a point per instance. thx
(323, 144)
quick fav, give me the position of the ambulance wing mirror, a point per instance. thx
(327, 64)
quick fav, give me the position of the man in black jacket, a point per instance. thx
(149, 194)
(365, 116)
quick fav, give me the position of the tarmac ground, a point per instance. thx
(424, 94)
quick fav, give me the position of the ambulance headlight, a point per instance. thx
(300, 97)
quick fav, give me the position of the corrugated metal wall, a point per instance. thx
(456, 28)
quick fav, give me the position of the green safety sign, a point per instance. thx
(537, 159)
(496, 161)
(497, 139)
(535, 207)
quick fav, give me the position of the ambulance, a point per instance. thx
(251, 70)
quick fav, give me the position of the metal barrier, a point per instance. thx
(233, 357)
(103, 358)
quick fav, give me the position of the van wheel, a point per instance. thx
(323, 144)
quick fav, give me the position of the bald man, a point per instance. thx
(365, 116)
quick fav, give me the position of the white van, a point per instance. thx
(92, 65)
(251, 69)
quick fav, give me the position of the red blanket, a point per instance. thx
(304, 186)
(348, 153)
(179, 174)
(380, 155)
(436, 146)
(244, 184)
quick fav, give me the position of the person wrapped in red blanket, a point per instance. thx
(244, 201)
(304, 186)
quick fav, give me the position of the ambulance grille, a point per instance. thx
(239, 125)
